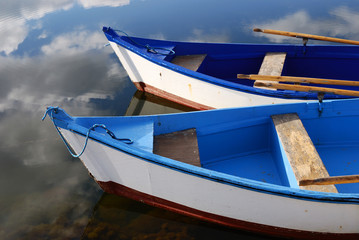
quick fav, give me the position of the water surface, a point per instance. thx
(52, 53)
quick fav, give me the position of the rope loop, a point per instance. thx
(51, 110)
(154, 50)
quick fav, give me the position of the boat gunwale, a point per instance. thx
(284, 191)
(283, 94)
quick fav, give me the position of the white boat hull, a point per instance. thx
(166, 83)
(125, 174)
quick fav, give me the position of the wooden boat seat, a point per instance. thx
(181, 146)
(300, 151)
(272, 65)
(192, 62)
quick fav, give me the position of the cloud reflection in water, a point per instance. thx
(44, 190)
(345, 20)
(16, 14)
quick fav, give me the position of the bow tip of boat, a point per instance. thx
(105, 29)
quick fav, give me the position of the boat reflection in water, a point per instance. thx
(143, 103)
(122, 218)
(262, 175)
(116, 217)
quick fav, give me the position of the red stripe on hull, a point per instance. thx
(114, 188)
(158, 92)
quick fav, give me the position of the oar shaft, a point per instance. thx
(299, 80)
(330, 180)
(307, 88)
(308, 36)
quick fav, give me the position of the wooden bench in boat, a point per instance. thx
(192, 62)
(272, 65)
(300, 150)
(181, 146)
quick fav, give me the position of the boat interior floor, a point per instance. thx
(181, 146)
(266, 153)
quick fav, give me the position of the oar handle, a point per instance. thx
(307, 36)
(330, 180)
(301, 88)
(299, 80)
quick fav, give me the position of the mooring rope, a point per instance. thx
(148, 47)
(51, 110)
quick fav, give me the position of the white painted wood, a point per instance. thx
(108, 164)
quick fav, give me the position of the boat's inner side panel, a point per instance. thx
(337, 143)
(316, 62)
(301, 66)
(248, 148)
(227, 67)
(125, 128)
(225, 61)
(247, 152)
(253, 152)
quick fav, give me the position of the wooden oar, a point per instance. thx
(330, 180)
(307, 88)
(306, 36)
(298, 79)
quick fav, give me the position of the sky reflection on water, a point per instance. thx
(52, 53)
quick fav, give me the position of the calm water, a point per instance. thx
(52, 53)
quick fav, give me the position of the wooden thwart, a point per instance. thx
(330, 180)
(181, 146)
(298, 80)
(272, 64)
(191, 62)
(306, 36)
(307, 88)
(301, 153)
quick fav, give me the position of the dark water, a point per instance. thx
(52, 53)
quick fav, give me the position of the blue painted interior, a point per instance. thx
(324, 65)
(248, 155)
(242, 142)
(337, 142)
(142, 138)
(287, 175)
(254, 152)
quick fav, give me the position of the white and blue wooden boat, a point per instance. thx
(204, 75)
(253, 168)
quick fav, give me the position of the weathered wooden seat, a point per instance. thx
(300, 150)
(181, 146)
(272, 65)
(191, 62)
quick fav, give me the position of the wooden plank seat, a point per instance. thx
(192, 62)
(181, 146)
(300, 151)
(272, 65)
